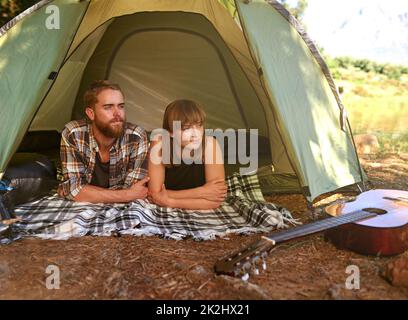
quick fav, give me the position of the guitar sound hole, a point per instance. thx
(375, 210)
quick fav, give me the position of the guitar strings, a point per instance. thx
(321, 225)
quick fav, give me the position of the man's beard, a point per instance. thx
(108, 130)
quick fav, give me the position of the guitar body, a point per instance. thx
(385, 234)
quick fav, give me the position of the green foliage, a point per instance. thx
(387, 69)
(11, 8)
(297, 10)
(344, 62)
(393, 72)
(230, 6)
(392, 142)
(377, 105)
(364, 65)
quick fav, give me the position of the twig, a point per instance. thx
(178, 271)
(134, 259)
(303, 294)
(202, 286)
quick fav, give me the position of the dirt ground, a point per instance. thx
(153, 268)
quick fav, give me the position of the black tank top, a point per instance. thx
(100, 176)
(184, 176)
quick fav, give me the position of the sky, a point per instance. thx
(365, 28)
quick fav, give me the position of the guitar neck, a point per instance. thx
(319, 226)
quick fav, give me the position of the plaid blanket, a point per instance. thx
(244, 211)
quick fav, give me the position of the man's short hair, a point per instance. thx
(91, 94)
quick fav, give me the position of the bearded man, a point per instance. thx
(103, 157)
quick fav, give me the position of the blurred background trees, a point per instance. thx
(296, 8)
(11, 8)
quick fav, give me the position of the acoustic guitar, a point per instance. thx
(375, 223)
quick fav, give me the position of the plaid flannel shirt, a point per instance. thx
(128, 157)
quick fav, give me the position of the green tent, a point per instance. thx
(249, 63)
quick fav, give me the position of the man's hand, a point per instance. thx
(138, 190)
(215, 190)
(160, 198)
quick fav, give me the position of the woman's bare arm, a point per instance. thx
(208, 196)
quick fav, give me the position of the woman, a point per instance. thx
(176, 182)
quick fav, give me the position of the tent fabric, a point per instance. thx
(301, 93)
(235, 49)
(29, 52)
(56, 109)
(313, 49)
(344, 122)
(248, 62)
(213, 10)
(159, 57)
